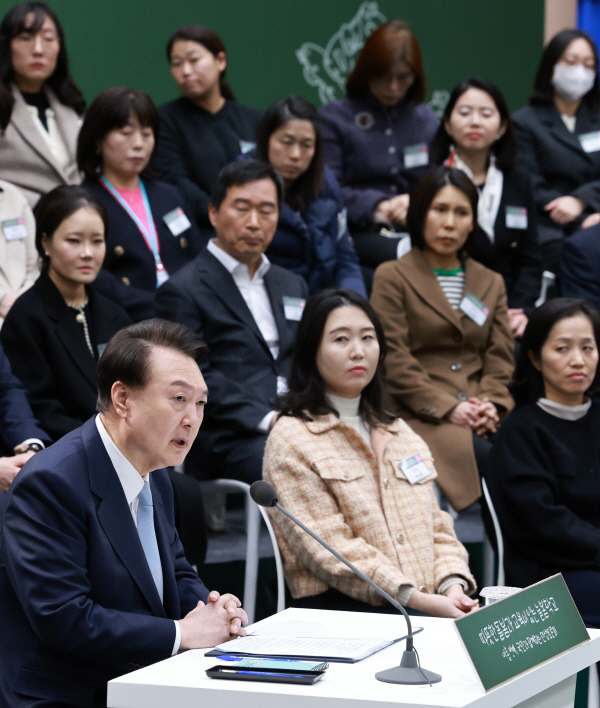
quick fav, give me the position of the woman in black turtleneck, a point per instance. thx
(37, 152)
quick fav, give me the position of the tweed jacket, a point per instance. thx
(438, 357)
(19, 267)
(25, 158)
(358, 499)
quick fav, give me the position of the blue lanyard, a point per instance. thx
(150, 237)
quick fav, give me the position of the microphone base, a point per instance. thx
(408, 672)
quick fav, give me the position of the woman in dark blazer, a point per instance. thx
(55, 332)
(558, 140)
(37, 151)
(476, 135)
(149, 235)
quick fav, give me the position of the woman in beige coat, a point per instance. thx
(361, 479)
(37, 152)
(445, 318)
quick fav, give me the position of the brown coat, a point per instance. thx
(26, 159)
(438, 357)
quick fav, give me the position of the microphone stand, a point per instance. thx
(409, 671)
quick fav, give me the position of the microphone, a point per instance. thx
(409, 671)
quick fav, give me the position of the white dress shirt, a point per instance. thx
(255, 295)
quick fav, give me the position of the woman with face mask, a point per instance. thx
(559, 140)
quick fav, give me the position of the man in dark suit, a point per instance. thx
(20, 434)
(93, 579)
(247, 311)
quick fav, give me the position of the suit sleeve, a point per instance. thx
(409, 383)
(498, 358)
(580, 272)
(17, 422)
(230, 403)
(360, 201)
(45, 548)
(529, 160)
(528, 264)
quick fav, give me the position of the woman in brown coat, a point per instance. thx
(445, 318)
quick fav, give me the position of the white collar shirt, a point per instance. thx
(254, 292)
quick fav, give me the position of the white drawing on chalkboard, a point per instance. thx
(326, 68)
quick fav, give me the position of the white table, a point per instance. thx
(181, 681)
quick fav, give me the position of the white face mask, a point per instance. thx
(572, 82)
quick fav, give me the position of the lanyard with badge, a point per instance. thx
(150, 236)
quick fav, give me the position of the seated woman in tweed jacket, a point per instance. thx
(358, 477)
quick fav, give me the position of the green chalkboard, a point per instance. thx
(522, 631)
(122, 42)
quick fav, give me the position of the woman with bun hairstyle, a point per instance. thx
(206, 128)
(37, 151)
(376, 139)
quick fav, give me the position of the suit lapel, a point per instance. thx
(274, 288)
(171, 602)
(585, 123)
(115, 516)
(421, 278)
(68, 330)
(22, 122)
(220, 281)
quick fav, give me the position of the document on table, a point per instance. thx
(306, 640)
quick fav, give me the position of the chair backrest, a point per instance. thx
(253, 516)
(500, 577)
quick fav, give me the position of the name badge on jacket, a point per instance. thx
(416, 155)
(414, 469)
(474, 308)
(14, 229)
(293, 307)
(516, 217)
(177, 221)
(590, 142)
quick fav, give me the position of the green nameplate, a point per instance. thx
(523, 630)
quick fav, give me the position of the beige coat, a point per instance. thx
(26, 159)
(358, 499)
(438, 357)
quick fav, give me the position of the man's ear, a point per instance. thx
(119, 394)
